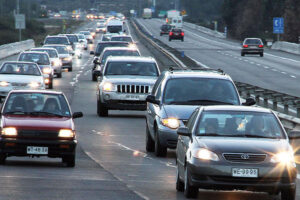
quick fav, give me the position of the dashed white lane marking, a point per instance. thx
(275, 70)
(72, 83)
(298, 176)
(258, 64)
(252, 63)
(283, 72)
(266, 67)
(293, 76)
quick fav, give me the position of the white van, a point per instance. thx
(115, 26)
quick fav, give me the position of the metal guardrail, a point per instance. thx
(281, 103)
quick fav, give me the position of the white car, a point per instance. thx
(54, 59)
(64, 55)
(82, 41)
(20, 75)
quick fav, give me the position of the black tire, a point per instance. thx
(182, 40)
(94, 78)
(160, 151)
(59, 75)
(2, 159)
(242, 54)
(288, 194)
(261, 54)
(69, 160)
(150, 145)
(85, 48)
(179, 183)
(102, 111)
(70, 69)
(189, 191)
(170, 39)
(50, 86)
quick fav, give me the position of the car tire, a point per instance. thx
(179, 183)
(150, 145)
(2, 159)
(70, 69)
(59, 75)
(69, 160)
(102, 111)
(50, 86)
(242, 54)
(189, 191)
(288, 194)
(94, 78)
(170, 39)
(85, 48)
(160, 151)
(261, 54)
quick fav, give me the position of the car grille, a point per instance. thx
(19, 84)
(138, 89)
(244, 157)
(39, 134)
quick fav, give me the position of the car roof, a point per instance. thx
(109, 42)
(36, 91)
(236, 108)
(18, 62)
(51, 45)
(121, 36)
(131, 59)
(36, 52)
(198, 74)
(120, 48)
(43, 48)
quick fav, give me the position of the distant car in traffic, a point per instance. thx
(38, 123)
(88, 36)
(58, 39)
(176, 34)
(54, 59)
(112, 51)
(20, 75)
(43, 61)
(252, 46)
(73, 38)
(175, 95)
(125, 82)
(101, 45)
(64, 55)
(235, 148)
(165, 29)
(122, 38)
(82, 41)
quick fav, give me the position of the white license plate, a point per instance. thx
(37, 150)
(243, 172)
(132, 97)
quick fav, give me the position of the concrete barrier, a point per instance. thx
(7, 50)
(204, 30)
(287, 47)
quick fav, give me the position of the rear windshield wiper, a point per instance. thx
(45, 113)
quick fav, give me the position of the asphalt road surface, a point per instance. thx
(111, 160)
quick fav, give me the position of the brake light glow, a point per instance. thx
(245, 45)
(182, 33)
(260, 46)
(171, 33)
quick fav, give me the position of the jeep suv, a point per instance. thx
(175, 96)
(125, 82)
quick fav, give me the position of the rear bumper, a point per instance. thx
(252, 51)
(125, 105)
(179, 37)
(18, 147)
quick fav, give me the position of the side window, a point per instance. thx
(158, 93)
(155, 86)
(192, 119)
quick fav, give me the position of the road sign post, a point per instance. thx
(20, 23)
(278, 26)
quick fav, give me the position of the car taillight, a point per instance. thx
(182, 33)
(260, 46)
(245, 45)
(171, 33)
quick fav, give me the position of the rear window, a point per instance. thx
(40, 59)
(72, 38)
(119, 53)
(57, 40)
(176, 30)
(253, 41)
(123, 39)
(101, 46)
(51, 53)
(20, 69)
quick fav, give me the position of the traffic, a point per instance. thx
(148, 125)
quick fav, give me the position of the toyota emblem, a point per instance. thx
(245, 156)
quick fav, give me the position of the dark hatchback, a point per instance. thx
(165, 29)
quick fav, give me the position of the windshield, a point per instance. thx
(106, 37)
(20, 69)
(131, 68)
(239, 124)
(81, 36)
(119, 53)
(40, 59)
(125, 39)
(72, 38)
(61, 49)
(85, 32)
(114, 29)
(57, 40)
(51, 53)
(200, 91)
(253, 41)
(101, 46)
(37, 104)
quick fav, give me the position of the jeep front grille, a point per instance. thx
(139, 89)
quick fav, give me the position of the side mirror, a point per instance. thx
(96, 61)
(249, 102)
(42, 43)
(294, 135)
(92, 52)
(184, 131)
(77, 115)
(151, 99)
(97, 73)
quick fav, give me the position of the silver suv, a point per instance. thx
(125, 82)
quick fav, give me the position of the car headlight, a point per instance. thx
(4, 84)
(9, 131)
(47, 70)
(205, 154)
(285, 157)
(34, 84)
(77, 52)
(66, 133)
(68, 58)
(56, 63)
(172, 123)
(108, 87)
(69, 48)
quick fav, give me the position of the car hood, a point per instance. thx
(37, 123)
(64, 55)
(182, 112)
(147, 80)
(243, 145)
(11, 78)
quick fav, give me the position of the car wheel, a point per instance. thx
(85, 48)
(59, 75)
(261, 54)
(94, 78)
(50, 86)
(179, 183)
(182, 40)
(160, 151)
(242, 54)
(2, 159)
(150, 145)
(288, 194)
(170, 39)
(69, 160)
(70, 68)
(189, 191)
(102, 111)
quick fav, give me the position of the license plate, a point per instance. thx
(132, 97)
(37, 150)
(242, 172)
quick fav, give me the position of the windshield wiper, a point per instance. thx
(16, 113)
(45, 113)
(200, 101)
(252, 136)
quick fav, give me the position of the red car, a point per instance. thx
(38, 123)
(176, 34)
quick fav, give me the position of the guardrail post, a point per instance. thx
(257, 99)
(274, 105)
(286, 109)
(298, 112)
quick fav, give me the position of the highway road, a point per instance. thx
(277, 70)
(111, 159)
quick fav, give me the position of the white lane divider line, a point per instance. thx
(283, 72)
(275, 70)
(258, 64)
(298, 176)
(293, 76)
(266, 67)
(252, 63)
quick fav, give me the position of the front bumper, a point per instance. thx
(218, 175)
(167, 137)
(18, 147)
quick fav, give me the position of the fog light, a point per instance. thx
(10, 144)
(107, 97)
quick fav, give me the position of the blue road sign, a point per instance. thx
(278, 25)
